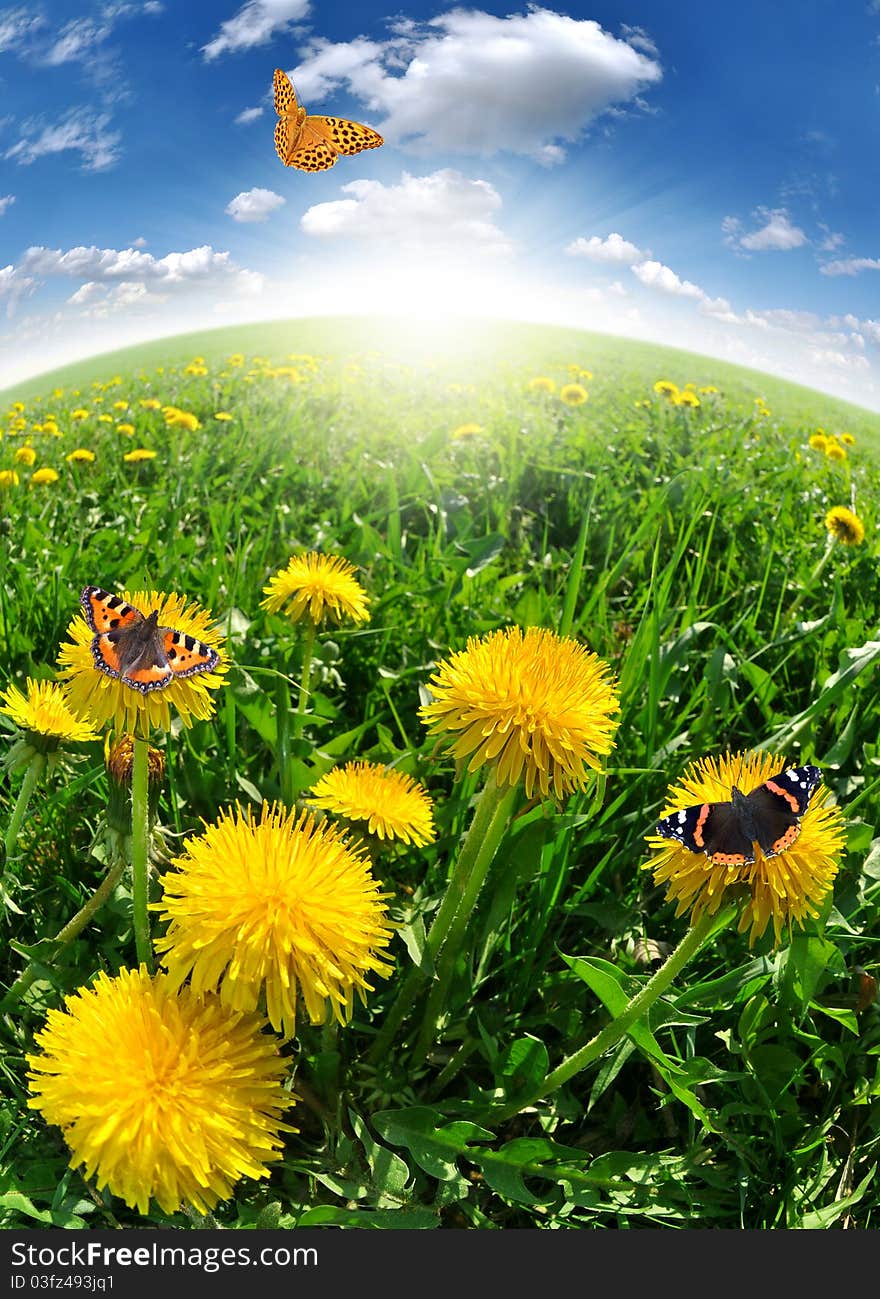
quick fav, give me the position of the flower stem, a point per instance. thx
(28, 785)
(637, 1008)
(811, 580)
(140, 836)
(488, 804)
(299, 716)
(292, 730)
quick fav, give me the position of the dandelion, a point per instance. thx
(541, 383)
(818, 441)
(80, 413)
(105, 419)
(687, 398)
(26, 455)
(317, 587)
(107, 699)
(80, 455)
(195, 369)
(845, 526)
(176, 418)
(785, 888)
(276, 907)
(8, 478)
(573, 394)
(393, 805)
(125, 428)
(534, 705)
(44, 477)
(150, 403)
(139, 456)
(847, 439)
(236, 359)
(223, 415)
(183, 1099)
(467, 431)
(835, 452)
(709, 390)
(666, 388)
(122, 404)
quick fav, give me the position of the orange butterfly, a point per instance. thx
(314, 143)
(135, 649)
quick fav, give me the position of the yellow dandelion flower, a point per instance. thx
(8, 478)
(467, 430)
(150, 403)
(537, 706)
(26, 455)
(195, 369)
(845, 526)
(573, 394)
(666, 388)
(105, 419)
(818, 441)
(317, 587)
(103, 698)
(393, 805)
(280, 906)
(847, 439)
(139, 455)
(80, 413)
(44, 477)
(835, 452)
(176, 418)
(122, 404)
(785, 887)
(183, 1099)
(45, 717)
(223, 415)
(18, 406)
(125, 428)
(687, 397)
(80, 455)
(709, 390)
(541, 383)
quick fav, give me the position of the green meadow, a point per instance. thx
(681, 537)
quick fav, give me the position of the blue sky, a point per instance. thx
(703, 174)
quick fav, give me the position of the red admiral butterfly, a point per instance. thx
(727, 832)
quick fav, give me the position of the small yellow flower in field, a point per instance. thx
(845, 526)
(18, 406)
(666, 388)
(103, 698)
(126, 429)
(26, 455)
(785, 887)
(44, 477)
(19, 424)
(194, 369)
(818, 441)
(139, 455)
(8, 478)
(317, 587)
(160, 369)
(120, 405)
(105, 419)
(541, 383)
(835, 452)
(276, 907)
(821, 432)
(236, 359)
(467, 430)
(51, 427)
(176, 418)
(709, 390)
(198, 360)
(573, 394)
(46, 719)
(37, 428)
(687, 397)
(535, 706)
(392, 804)
(184, 1096)
(847, 439)
(223, 415)
(81, 455)
(150, 403)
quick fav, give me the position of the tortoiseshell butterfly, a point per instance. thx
(314, 143)
(135, 650)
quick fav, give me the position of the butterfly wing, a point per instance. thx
(287, 134)
(343, 136)
(777, 806)
(311, 152)
(710, 828)
(186, 655)
(285, 95)
(104, 612)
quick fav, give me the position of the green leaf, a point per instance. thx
(434, 1146)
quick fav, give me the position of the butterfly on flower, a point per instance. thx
(135, 650)
(314, 143)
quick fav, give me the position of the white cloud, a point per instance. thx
(76, 41)
(6, 202)
(777, 233)
(469, 82)
(639, 39)
(821, 357)
(254, 205)
(615, 249)
(14, 285)
(255, 24)
(443, 210)
(248, 115)
(850, 266)
(16, 25)
(175, 271)
(654, 275)
(84, 132)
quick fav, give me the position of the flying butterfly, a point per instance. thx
(314, 143)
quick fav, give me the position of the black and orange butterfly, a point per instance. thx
(135, 649)
(314, 143)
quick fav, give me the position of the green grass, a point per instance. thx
(687, 548)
